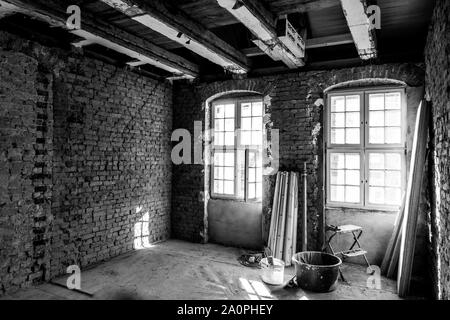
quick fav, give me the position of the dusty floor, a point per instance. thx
(181, 270)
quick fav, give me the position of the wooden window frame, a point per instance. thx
(364, 148)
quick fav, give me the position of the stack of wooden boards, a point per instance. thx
(283, 225)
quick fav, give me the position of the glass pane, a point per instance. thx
(376, 178)
(218, 159)
(393, 161)
(219, 125)
(218, 173)
(256, 138)
(352, 161)
(257, 109)
(228, 187)
(393, 135)
(259, 190)
(393, 118)
(376, 161)
(219, 139)
(229, 159)
(246, 110)
(376, 118)
(352, 120)
(252, 175)
(337, 193)
(393, 100)
(252, 160)
(352, 177)
(229, 125)
(338, 120)
(376, 135)
(352, 103)
(246, 138)
(257, 124)
(337, 104)
(352, 136)
(229, 111)
(218, 186)
(337, 161)
(376, 195)
(252, 191)
(352, 194)
(376, 101)
(337, 177)
(229, 139)
(338, 136)
(220, 111)
(393, 178)
(246, 124)
(393, 196)
(229, 173)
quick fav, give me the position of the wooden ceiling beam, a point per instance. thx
(288, 47)
(177, 26)
(360, 28)
(306, 6)
(95, 31)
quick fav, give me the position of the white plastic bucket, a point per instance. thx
(272, 274)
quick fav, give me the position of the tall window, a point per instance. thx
(366, 148)
(237, 149)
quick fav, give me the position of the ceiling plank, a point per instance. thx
(305, 6)
(360, 28)
(179, 27)
(99, 32)
(312, 43)
(261, 24)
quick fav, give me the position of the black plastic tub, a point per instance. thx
(317, 271)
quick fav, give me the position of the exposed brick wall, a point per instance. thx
(437, 58)
(85, 156)
(294, 113)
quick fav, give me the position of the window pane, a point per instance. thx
(219, 125)
(337, 177)
(376, 195)
(338, 120)
(257, 124)
(393, 178)
(218, 159)
(218, 186)
(229, 125)
(376, 101)
(228, 187)
(246, 110)
(393, 100)
(352, 136)
(337, 104)
(257, 109)
(229, 173)
(393, 161)
(376, 135)
(337, 161)
(220, 112)
(229, 139)
(252, 160)
(229, 159)
(246, 138)
(376, 161)
(376, 178)
(229, 111)
(352, 177)
(352, 194)
(352, 103)
(256, 138)
(338, 136)
(393, 196)
(252, 175)
(337, 193)
(393, 118)
(219, 139)
(218, 173)
(376, 118)
(393, 135)
(246, 124)
(352, 161)
(353, 120)
(251, 191)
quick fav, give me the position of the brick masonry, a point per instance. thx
(293, 111)
(84, 161)
(437, 58)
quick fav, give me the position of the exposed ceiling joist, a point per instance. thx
(360, 28)
(288, 47)
(7, 9)
(313, 43)
(98, 32)
(179, 27)
(308, 5)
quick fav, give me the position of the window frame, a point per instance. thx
(364, 148)
(245, 149)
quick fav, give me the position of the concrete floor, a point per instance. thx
(182, 270)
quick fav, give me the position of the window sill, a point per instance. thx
(235, 200)
(391, 210)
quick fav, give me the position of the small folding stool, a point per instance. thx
(356, 232)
